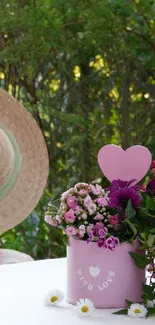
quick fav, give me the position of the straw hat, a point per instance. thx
(23, 162)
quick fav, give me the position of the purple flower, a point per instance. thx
(111, 243)
(118, 184)
(100, 243)
(102, 232)
(116, 240)
(121, 192)
(120, 198)
(91, 235)
(150, 188)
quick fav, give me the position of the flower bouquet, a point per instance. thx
(111, 233)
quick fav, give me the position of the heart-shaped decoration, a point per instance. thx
(116, 163)
(94, 271)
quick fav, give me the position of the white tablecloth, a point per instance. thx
(22, 290)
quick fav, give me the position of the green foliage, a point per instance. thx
(121, 312)
(85, 70)
(140, 261)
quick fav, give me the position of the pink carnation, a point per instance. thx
(114, 220)
(72, 202)
(50, 221)
(102, 201)
(70, 216)
(71, 231)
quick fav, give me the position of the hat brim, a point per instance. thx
(27, 189)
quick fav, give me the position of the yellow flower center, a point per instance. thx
(54, 298)
(84, 309)
(137, 311)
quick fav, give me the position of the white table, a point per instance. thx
(22, 290)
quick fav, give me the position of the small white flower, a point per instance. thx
(53, 298)
(82, 230)
(84, 215)
(92, 208)
(137, 310)
(150, 304)
(84, 307)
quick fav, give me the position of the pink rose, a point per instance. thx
(50, 221)
(58, 218)
(83, 192)
(102, 201)
(98, 216)
(91, 208)
(88, 201)
(114, 220)
(66, 194)
(71, 231)
(96, 189)
(70, 216)
(72, 202)
(78, 209)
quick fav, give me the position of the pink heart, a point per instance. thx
(116, 163)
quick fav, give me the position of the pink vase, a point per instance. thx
(106, 278)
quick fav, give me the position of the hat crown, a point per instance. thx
(7, 158)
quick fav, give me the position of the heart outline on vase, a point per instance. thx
(94, 271)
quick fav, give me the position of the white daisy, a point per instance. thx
(137, 310)
(53, 298)
(84, 307)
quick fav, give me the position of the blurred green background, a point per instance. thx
(86, 72)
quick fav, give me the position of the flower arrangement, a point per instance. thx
(123, 212)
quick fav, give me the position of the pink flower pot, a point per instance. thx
(106, 278)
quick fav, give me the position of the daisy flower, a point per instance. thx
(84, 307)
(137, 310)
(53, 298)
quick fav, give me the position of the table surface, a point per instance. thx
(23, 288)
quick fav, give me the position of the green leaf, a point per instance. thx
(74, 141)
(121, 312)
(151, 240)
(144, 296)
(130, 213)
(69, 117)
(133, 228)
(150, 311)
(150, 203)
(140, 261)
(129, 303)
(148, 289)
